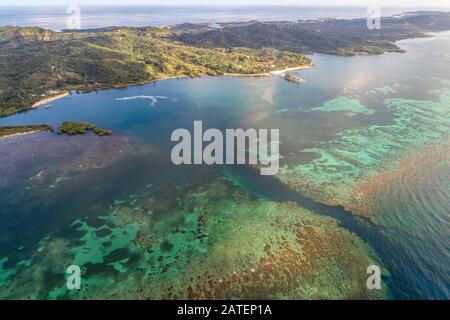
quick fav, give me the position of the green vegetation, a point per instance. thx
(12, 130)
(331, 36)
(74, 128)
(293, 78)
(37, 63)
(102, 132)
(68, 127)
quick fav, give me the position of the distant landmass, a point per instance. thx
(37, 63)
(330, 36)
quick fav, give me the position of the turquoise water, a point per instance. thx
(48, 181)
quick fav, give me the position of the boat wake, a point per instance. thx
(153, 99)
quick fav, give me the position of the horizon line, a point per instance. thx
(230, 5)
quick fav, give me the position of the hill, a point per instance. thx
(331, 36)
(37, 63)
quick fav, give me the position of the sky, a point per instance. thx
(392, 3)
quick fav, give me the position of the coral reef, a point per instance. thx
(217, 243)
(357, 155)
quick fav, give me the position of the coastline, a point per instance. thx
(49, 99)
(20, 134)
(116, 86)
(143, 83)
(247, 75)
(234, 75)
(280, 72)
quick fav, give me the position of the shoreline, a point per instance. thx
(279, 72)
(293, 78)
(49, 99)
(247, 75)
(20, 134)
(282, 72)
(123, 86)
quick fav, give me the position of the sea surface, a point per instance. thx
(138, 16)
(353, 116)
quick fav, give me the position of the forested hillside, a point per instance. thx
(36, 63)
(332, 36)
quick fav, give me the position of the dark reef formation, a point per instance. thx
(73, 128)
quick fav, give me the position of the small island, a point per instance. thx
(7, 131)
(293, 78)
(74, 128)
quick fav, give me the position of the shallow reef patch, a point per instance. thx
(218, 242)
(358, 154)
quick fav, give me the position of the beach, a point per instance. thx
(284, 71)
(20, 134)
(49, 99)
(280, 72)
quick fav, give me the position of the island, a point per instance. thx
(293, 78)
(72, 128)
(39, 65)
(8, 131)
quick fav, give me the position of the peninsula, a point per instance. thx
(8, 131)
